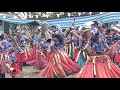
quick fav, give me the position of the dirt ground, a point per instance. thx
(30, 72)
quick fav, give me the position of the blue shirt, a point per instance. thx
(75, 41)
(57, 43)
(5, 44)
(36, 38)
(94, 30)
(98, 47)
(12, 57)
(108, 39)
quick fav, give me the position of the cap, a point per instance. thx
(18, 31)
(88, 24)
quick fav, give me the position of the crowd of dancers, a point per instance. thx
(89, 51)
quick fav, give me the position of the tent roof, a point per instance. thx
(67, 22)
(18, 21)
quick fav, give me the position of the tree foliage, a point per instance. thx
(42, 15)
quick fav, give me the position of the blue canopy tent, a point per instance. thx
(8, 21)
(67, 22)
(101, 18)
(19, 21)
(109, 17)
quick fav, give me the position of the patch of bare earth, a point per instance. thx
(30, 72)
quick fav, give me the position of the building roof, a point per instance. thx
(67, 22)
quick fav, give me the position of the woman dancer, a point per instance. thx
(115, 38)
(59, 64)
(13, 67)
(69, 44)
(19, 43)
(2, 62)
(5, 45)
(99, 64)
(110, 40)
(40, 61)
(28, 50)
(36, 39)
(83, 36)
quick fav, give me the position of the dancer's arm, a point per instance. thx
(101, 29)
(68, 41)
(75, 34)
(52, 46)
(86, 46)
(80, 42)
(18, 47)
(108, 49)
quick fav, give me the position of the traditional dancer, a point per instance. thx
(110, 40)
(13, 67)
(74, 42)
(28, 50)
(36, 39)
(69, 45)
(2, 62)
(115, 28)
(108, 37)
(99, 64)
(20, 54)
(40, 62)
(59, 64)
(84, 36)
(41, 53)
(67, 41)
(5, 45)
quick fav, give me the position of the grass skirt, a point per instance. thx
(99, 67)
(40, 62)
(59, 65)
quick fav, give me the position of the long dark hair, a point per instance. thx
(94, 38)
(1, 37)
(108, 30)
(60, 38)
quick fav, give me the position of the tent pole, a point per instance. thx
(3, 26)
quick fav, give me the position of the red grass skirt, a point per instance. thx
(102, 68)
(45, 52)
(59, 65)
(20, 57)
(116, 55)
(28, 54)
(40, 61)
(2, 67)
(34, 52)
(16, 67)
(117, 58)
(75, 54)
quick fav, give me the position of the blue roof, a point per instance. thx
(18, 21)
(109, 17)
(67, 22)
